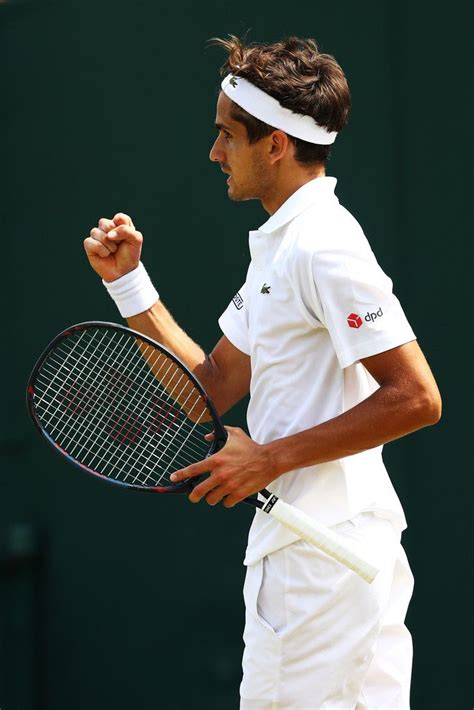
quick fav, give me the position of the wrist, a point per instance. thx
(132, 293)
(273, 463)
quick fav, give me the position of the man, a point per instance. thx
(334, 371)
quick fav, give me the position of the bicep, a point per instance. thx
(231, 380)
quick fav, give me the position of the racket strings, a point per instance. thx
(128, 431)
(115, 460)
(58, 373)
(114, 395)
(150, 463)
(127, 428)
(55, 366)
(121, 407)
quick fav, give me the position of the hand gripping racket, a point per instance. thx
(122, 407)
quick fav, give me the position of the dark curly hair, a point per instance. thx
(300, 77)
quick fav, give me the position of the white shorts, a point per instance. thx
(318, 637)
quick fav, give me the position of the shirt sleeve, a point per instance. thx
(234, 321)
(353, 298)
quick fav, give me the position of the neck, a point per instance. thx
(285, 185)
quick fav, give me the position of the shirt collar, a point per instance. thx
(321, 188)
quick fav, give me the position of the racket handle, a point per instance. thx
(321, 537)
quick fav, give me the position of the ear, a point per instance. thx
(278, 146)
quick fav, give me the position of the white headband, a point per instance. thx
(267, 109)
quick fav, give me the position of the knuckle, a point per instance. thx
(231, 488)
(219, 477)
(90, 245)
(104, 224)
(97, 234)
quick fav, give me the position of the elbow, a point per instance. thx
(429, 407)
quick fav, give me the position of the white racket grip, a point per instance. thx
(322, 537)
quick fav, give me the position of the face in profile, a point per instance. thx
(244, 163)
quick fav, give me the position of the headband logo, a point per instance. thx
(233, 82)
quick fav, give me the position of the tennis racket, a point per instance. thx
(122, 407)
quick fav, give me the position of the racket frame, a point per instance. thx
(220, 434)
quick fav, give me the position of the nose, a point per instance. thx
(216, 153)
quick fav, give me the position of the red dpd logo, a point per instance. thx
(354, 321)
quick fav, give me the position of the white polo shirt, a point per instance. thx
(315, 301)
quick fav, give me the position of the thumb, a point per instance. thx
(121, 218)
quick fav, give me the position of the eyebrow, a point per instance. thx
(222, 126)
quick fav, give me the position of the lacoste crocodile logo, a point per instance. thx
(233, 82)
(265, 289)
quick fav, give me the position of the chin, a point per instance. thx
(233, 195)
(238, 195)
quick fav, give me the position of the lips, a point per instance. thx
(226, 172)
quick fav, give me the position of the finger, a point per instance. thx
(196, 469)
(106, 224)
(210, 436)
(102, 237)
(230, 501)
(205, 488)
(127, 234)
(121, 218)
(95, 248)
(215, 495)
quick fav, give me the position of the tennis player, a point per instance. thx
(334, 371)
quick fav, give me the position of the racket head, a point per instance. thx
(122, 407)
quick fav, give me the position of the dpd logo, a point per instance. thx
(372, 316)
(355, 321)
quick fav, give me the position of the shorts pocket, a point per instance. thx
(264, 597)
(262, 654)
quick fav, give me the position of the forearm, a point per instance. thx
(386, 415)
(158, 323)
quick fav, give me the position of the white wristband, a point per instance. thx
(132, 293)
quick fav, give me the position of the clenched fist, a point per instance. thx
(114, 247)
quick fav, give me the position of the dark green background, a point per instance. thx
(115, 601)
